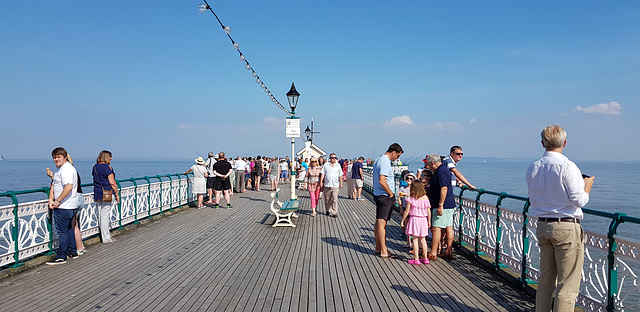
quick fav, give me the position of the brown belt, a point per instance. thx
(566, 219)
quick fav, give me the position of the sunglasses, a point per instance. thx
(333, 157)
(459, 154)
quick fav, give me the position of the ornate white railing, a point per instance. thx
(507, 236)
(25, 228)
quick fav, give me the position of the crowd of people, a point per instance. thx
(557, 191)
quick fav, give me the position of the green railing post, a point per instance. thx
(476, 246)
(498, 263)
(160, 195)
(15, 231)
(148, 194)
(460, 228)
(525, 245)
(612, 277)
(170, 192)
(135, 200)
(119, 205)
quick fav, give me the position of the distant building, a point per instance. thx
(310, 150)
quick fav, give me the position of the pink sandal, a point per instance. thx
(414, 262)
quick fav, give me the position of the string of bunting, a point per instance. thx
(227, 30)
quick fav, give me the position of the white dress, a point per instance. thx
(199, 180)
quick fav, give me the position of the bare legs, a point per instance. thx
(380, 233)
(435, 241)
(227, 196)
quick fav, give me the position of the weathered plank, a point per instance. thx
(233, 260)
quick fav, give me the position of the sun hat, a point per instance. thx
(313, 159)
(410, 174)
(200, 161)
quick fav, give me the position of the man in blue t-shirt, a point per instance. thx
(443, 205)
(383, 186)
(356, 177)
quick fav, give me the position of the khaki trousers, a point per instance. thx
(331, 199)
(561, 261)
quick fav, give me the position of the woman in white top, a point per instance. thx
(199, 180)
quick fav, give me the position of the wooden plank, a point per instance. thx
(232, 260)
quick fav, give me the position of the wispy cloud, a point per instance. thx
(273, 124)
(611, 108)
(190, 126)
(399, 121)
(445, 125)
(473, 121)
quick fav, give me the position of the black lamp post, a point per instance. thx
(307, 132)
(293, 96)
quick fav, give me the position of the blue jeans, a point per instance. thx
(62, 222)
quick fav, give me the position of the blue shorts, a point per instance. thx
(283, 174)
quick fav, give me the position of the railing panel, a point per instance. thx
(33, 230)
(517, 246)
(33, 235)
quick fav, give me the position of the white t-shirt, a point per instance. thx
(67, 174)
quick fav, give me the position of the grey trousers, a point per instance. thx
(240, 181)
(104, 220)
(331, 199)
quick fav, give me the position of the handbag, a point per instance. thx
(107, 195)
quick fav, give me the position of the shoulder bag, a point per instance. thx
(107, 195)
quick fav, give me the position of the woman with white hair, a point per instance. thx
(200, 176)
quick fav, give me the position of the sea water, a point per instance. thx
(615, 188)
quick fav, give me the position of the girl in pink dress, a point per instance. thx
(419, 208)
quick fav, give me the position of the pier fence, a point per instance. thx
(26, 229)
(505, 238)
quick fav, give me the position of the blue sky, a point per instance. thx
(159, 79)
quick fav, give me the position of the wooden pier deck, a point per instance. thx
(233, 260)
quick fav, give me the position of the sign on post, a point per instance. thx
(292, 127)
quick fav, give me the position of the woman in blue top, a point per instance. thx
(104, 179)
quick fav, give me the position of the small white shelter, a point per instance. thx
(310, 150)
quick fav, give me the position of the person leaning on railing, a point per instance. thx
(104, 179)
(63, 201)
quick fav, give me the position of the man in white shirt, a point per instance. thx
(211, 179)
(557, 191)
(331, 179)
(455, 155)
(63, 199)
(240, 166)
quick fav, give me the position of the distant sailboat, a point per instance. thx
(1, 157)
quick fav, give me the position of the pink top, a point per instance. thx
(313, 178)
(419, 208)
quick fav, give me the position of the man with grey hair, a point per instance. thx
(331, 179)
(443, 205)
(557, 191)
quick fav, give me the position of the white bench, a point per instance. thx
(283, 211)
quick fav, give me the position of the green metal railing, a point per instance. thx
(17, 218)
(475, 231)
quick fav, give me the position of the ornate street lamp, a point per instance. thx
(307, 132)
(293, 96)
